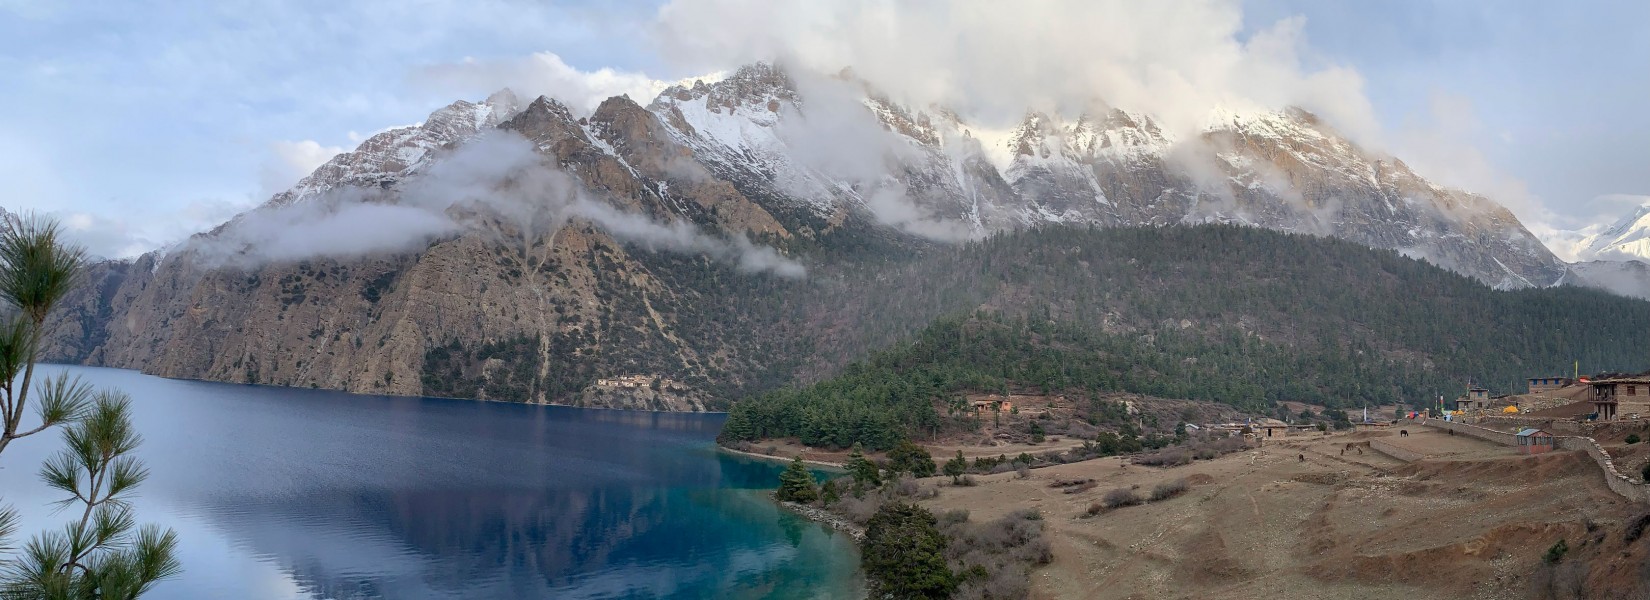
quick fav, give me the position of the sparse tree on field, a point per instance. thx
(956, 467)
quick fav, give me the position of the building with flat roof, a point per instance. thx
(1548, 384)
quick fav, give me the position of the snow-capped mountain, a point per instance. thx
(1626, 239)
(393, 153)
(1285, 170)
(756, 169)
(929, 173)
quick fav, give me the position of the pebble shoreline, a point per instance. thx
(826, 517)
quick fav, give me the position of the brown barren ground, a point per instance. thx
(1473, 520)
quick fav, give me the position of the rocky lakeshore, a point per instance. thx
(828, 518)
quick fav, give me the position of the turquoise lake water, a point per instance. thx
(286, 493)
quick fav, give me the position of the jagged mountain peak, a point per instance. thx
(754, 85)
(1283, 169)
(388, 155)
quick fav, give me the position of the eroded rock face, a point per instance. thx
(495, 311)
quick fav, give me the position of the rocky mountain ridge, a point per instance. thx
(829, 174)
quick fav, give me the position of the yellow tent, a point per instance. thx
(1510, 410)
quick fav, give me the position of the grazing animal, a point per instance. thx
(1451, 431)
(1303, 458)
(1403, 433)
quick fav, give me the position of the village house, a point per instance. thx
(1001, 406)
(1548, 384)
(625, 382)
(1477, 398)
(1614, 396)
(1534, 441)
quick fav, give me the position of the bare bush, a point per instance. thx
(1064, 482)
(1560, 581)
(952, 517)
(905, 487)
(1082, 487)
(994, 560)
(1003, 468)
(1635, 527)
(1095, 508)
(1119, 497)
(1169, 489)
(1022, 471)
(1167, 457)
(858, 510)
(968, 481)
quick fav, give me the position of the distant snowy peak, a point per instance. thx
(1626, 239)
(388, 155)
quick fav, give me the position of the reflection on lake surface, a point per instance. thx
(283, 493)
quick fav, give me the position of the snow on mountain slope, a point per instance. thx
(830, 147)
(384, 157)
(1626, 239)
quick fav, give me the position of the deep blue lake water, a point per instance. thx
(285, 493)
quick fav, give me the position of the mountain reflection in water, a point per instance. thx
(281, 493)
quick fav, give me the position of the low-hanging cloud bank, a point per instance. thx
(1178, 61)
(496, 176)
(990, 61)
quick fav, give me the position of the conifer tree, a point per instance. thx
(796, 484)
(956, 467)
(907, 457)
(904, 554)
(865, 473)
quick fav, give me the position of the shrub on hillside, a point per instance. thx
(1632, 438)
(1169, 489)
(1635, 527)
(1170, 457)
(907, 457)
(994, 560)
(904, 554)
(1557, 552)
(1119, 497)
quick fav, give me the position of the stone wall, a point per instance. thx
(1483, 433)
(1551, 425)
(1394, 451)
(1619, 483)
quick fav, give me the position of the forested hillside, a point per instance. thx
(1238, 315)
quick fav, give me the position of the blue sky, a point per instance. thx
(141, 122)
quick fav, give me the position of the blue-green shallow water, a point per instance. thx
(284, 493)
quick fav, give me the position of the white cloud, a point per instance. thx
(991, 61)
(541, 74)
(289, 162)
(144, 229)
(497, 177)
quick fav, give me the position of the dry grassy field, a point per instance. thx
(1296, 519)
